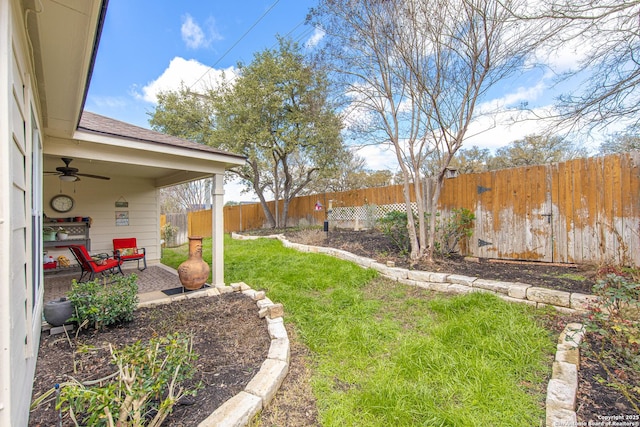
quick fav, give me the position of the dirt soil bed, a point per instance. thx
(373, 244)
(230, 338)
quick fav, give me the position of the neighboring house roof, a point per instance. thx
(92, 122)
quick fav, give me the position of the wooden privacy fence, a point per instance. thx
(302, 210)
(197, 223)
(179, 221)
(580, 211)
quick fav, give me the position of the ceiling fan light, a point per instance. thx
(68, 178)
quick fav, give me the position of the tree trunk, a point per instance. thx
(267, 213)
(422, 228)
(411, 224)
(435, 196)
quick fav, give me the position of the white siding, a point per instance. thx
(96, 199)
(20, 310)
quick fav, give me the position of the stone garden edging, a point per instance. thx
(562, 389)
(240, 409)
(563, 385)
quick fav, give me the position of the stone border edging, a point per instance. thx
(563, 386)
(240, 409)
(565, 302)
(562, 390)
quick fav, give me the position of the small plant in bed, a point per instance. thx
(147, 376)
(104, 301)
(613, 339)
(142, 390)
(146, 386)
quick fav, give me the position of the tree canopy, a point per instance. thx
(414, 72)
(621, 142)
(603, 35)
(276, 112)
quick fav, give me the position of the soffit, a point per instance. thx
(63, 36)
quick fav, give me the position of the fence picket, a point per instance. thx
(594, 202)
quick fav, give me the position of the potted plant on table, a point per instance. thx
(48, 234)
(62, 234)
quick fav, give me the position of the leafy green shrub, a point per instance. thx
(104, 301)
(148, 382)
(449, 232)
(168, 233)
(394, 225)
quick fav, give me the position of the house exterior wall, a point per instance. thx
(96, 199)
(20, 277)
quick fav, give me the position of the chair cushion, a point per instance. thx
(134, 257)
(128, 251)
(108, 264)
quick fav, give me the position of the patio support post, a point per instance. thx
(217, 229)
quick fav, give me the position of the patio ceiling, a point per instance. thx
(118, 156)
(161, 175)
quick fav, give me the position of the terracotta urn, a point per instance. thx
(194, 272)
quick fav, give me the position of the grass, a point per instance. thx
(387, 354)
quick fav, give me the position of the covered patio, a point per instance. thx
(115, 189)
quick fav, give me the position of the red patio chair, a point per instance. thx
(127, 250)
(96, 264)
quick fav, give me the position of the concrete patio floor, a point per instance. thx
(151, 282)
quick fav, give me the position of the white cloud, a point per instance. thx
(513, 98)
(192, 34)
(197, 76)
(234, 191)
(500, 129)
(109, 101)
(316, 37)
(378, 157)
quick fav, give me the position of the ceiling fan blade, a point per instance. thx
(92, 176)
(52, 173)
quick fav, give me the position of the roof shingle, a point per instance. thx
(92, 122)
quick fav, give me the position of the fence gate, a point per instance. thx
(580, 211)
(514, 215)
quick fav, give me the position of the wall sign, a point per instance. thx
(122, 203)
(122, 218)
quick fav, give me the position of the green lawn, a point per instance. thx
(387, 354)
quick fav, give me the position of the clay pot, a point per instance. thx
(194, 272)
(58, 311)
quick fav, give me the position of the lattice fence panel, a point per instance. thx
(367, 213)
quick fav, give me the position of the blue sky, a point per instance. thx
(143, 39)
(148, 46)
(152, 45)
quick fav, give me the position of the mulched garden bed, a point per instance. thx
(231, 341)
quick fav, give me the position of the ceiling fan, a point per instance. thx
(67, 173)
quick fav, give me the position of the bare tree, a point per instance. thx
(604, 36)
(193, 195)
(415, 71)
